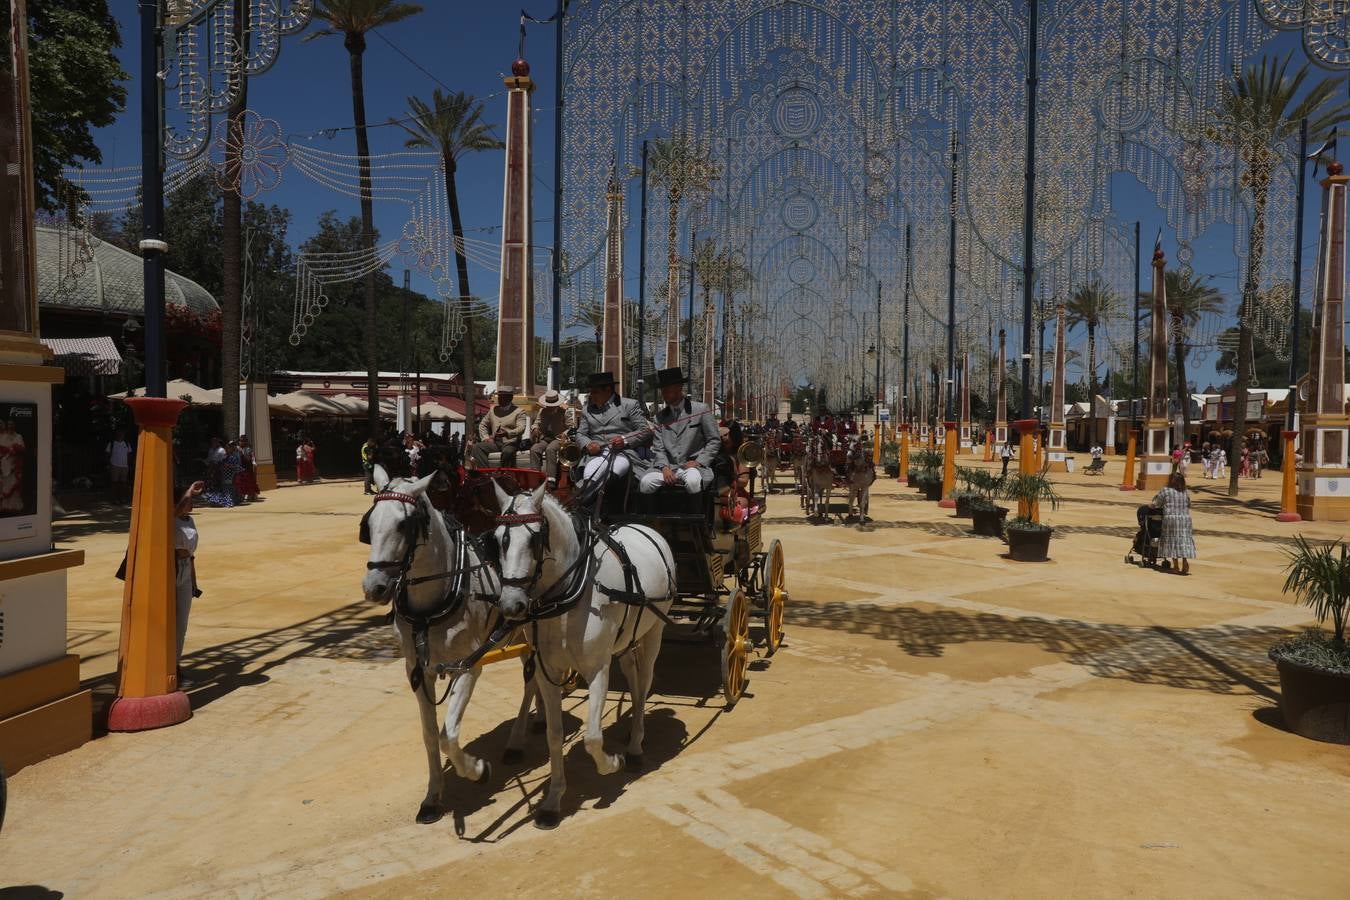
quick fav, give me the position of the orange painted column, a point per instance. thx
(1131, 447)
(904, 453)
(950, 443)
(147, 659)
(1288, 491)
(1027, 430)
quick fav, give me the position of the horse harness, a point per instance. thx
(416, 528)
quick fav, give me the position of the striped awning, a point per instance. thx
(85, 356)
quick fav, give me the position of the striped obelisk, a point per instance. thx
(515, 315)
(612, 329)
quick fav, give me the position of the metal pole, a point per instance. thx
(640, 389)
(1298, 276)
(876, 397)
(905, 373)
(1029, 206)
(1134, 400)
(1040, 364)
(557, 196)
(951, 283)
(152, 244)
(689, 336)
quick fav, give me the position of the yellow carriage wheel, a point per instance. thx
(735, 646)
(775, 597)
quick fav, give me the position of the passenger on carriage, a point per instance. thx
(611, 427)
(735, 503)
(547, 435)
(501, 430)
(686, 441)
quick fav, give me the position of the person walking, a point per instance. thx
(185, 567)
(119, 466)
(1178, 534)
(1006, 454)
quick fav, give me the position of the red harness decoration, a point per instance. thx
(520, 519)
(395, 495)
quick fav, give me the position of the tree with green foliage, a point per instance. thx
(1260, 111)
(75, 86)
(452, 125)
(353, 19)
(1091, 305)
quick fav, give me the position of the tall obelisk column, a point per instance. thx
(967, 443)
(1001, 408)
(1156, 467)
(1324, 476)
(515, 316)
(612, 334)
(1055, 446)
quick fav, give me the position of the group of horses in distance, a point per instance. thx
(821, 462)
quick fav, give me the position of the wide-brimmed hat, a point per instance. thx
(668, 377)
(600, 379)
(545, 401)
(504, 389)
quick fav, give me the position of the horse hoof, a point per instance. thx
(545, 819)
(487, 773)
(633, 762)
(428, 814)
(512, 756)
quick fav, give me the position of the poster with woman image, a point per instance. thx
(18, 468)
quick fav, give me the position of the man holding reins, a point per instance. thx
(687, 440)
(611, 429)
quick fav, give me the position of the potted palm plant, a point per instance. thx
(966, 492)
(1029, 541)
(986, 515)
(929, 477)
(890, 458)
(1314, 668)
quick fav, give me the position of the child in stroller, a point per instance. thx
(1145, 547)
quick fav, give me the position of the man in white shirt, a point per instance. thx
(119, 466)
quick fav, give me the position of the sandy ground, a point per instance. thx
(941, 722)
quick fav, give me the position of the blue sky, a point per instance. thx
(468, 46)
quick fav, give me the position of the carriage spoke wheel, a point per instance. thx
(735, 646)
(775, 593)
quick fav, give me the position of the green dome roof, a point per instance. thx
(112, 281)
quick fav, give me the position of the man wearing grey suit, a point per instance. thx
(611, 427)
(687, 439)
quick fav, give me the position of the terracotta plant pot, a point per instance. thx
(989, 522)
(1028, 546)
(1315, 703)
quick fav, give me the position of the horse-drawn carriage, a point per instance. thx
(723, 575)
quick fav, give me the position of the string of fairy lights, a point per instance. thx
(805, 141)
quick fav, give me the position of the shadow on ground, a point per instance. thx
(1219, 659)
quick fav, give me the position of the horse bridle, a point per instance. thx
(421, 518)
(539, 543)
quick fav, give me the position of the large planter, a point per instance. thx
(892, 470)
(963, 507)
(989, 522)
(911, 476)
(1315, 703)
(1028, 545)
(932, 490)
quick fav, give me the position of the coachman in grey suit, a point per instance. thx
(687, 439)
(611, 427)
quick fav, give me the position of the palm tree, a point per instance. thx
(1258, 112)
(452, 124)
(1090, 305)
(1188, 299)
(352, 19)
(682, 169)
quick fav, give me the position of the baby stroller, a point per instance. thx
(1144, 550)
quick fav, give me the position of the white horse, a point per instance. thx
(819, 476)
(544, 560)
(861, 474)
(451, 596)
